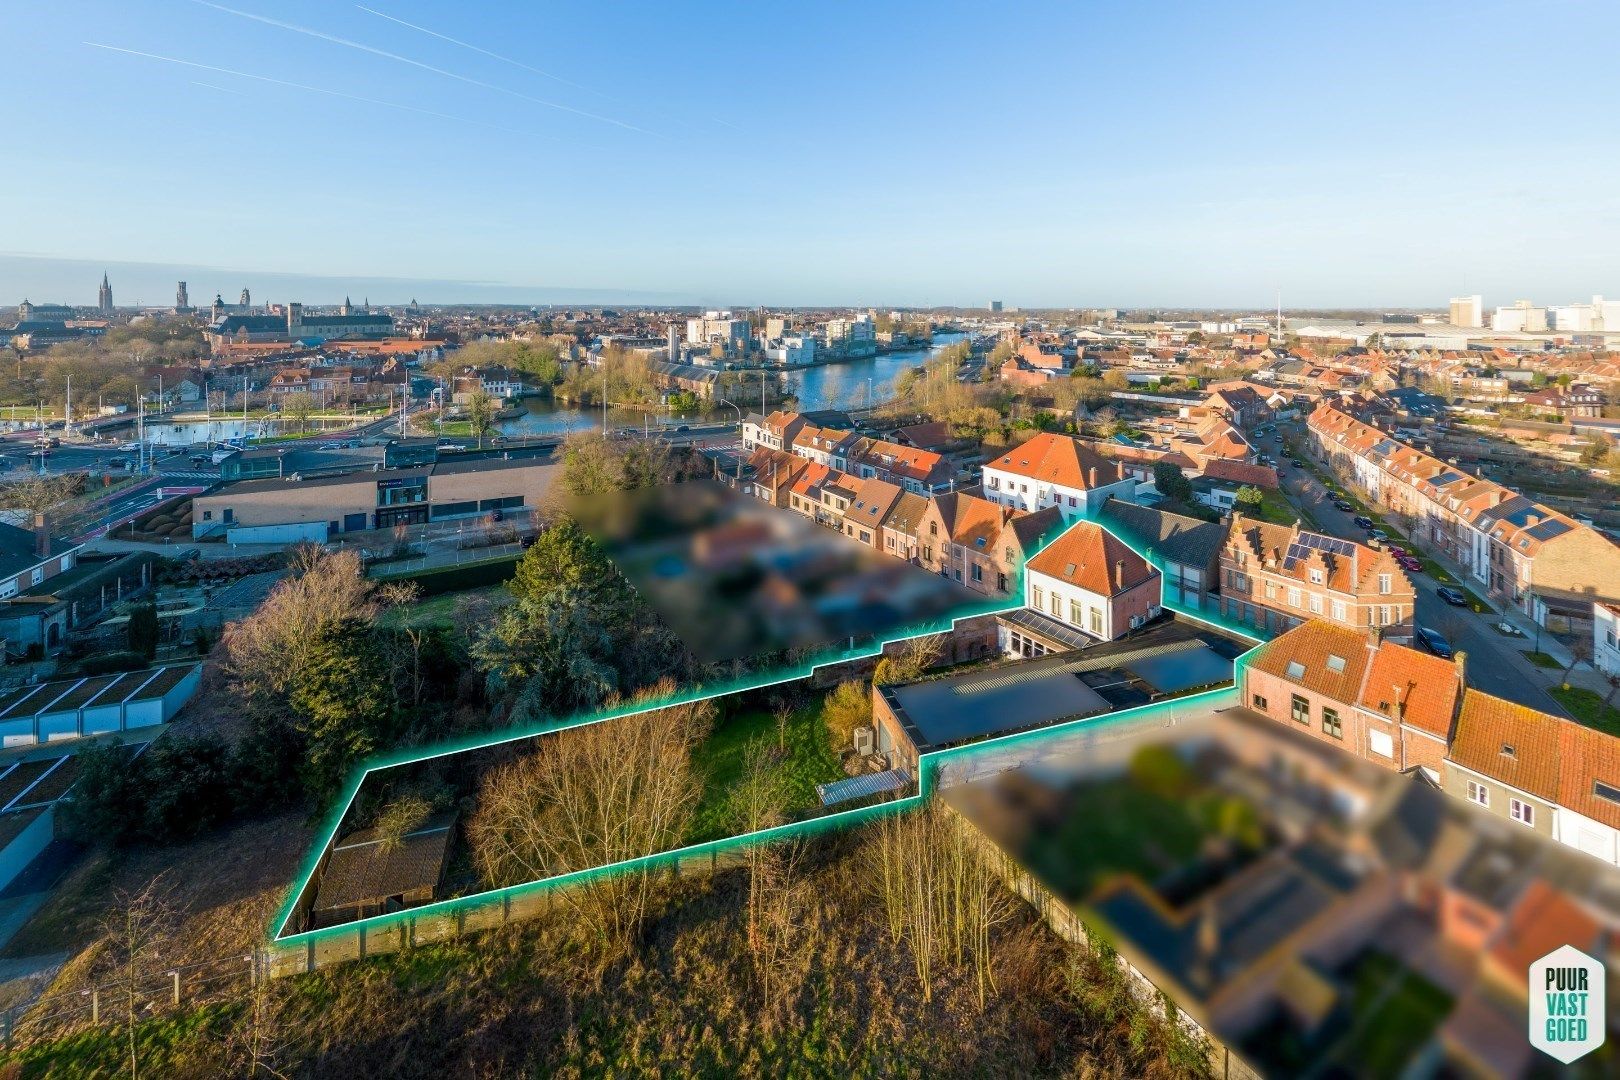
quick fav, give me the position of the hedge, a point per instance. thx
(443, 579)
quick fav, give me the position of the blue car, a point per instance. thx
(1434, 642)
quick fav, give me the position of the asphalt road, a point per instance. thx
(1496, 664)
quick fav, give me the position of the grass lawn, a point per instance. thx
(435, 610)
(1587, 707)
(807, 760)
(1275, 508)
(1435, 570)
(1542, 660)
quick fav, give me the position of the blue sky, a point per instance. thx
(883, 153)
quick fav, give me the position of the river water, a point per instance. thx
(827, 386)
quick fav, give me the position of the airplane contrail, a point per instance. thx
(479, 49)
(515, 63)
(214, 86)
(385, 54)
(313, 90)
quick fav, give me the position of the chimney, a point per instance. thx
(1091, 476)
(1375, 636)
(42, 535)
(1119, 573)
(1461, 659)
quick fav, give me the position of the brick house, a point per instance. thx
(1187, 549)
(1275, 577)
(1376, 699)
(863, 518)
(902, 527)
(1093, 582)
(979, 543)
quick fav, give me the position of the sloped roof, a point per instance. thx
(1512, 743)
(1091, 557)
(1177, 537)
(1424, 684)
(1325, 657)
(1586, 759)
(1061, 460)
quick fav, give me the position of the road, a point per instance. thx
(1496, 664)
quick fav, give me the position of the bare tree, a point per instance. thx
(133, 929)
(775, 899)
(940, 893)
(481, 410)
(590, 796)
(1580, 650)
(268, 650)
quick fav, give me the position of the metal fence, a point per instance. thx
(152, 993)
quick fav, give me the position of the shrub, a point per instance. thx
(846, 708)
(109, 663)
(174, 791)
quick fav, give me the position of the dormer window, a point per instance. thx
(1508, 751)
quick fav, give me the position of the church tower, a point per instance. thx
(104, 302)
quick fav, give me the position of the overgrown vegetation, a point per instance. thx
(802, 970)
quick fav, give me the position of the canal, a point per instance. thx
(849, 385)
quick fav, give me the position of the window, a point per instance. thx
(1381, 743)
(1097, 621)
(1057, 606)
(1073, 501)
(208, 515)
(1316, 604)
(1335, 664)
(1478, 793)
(1317, 576)
(1607, 792)
(1331, 724)
(1293, 597)
(1077, 613)
(1295, 669)
(1522, 812)
(995, 483)
(1260, 702)
(1300, 710)
(1338, 611)
(1386, 584)
(1038, 597)
(933, 528)
(1271, 590)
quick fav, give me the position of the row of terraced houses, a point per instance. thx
(1413, 712)
(1519, 551)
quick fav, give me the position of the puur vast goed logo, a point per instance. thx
(1567, 1008)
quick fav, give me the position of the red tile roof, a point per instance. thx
(1091, 557)
(1514, 744)
(1425, 685)
(1325, 657)
(1061, 460)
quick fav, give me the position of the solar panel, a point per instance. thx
(1307, 542)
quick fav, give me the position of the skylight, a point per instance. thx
(1606, 791)
(1295, 669)
(1335, 664)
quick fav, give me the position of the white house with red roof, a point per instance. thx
(1060, 471)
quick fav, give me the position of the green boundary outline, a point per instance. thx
(928, 764)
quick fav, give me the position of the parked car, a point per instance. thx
(1505, 627)
(1432, 641)
(199, 459)
(1377, 537)
(1452, 597)
(129, 448)
(1363, 522)
(1343, 506)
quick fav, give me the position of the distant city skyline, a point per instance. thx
(922, 154)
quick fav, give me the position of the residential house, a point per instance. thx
(1606, 638)
(1186, 549)
(1091, 581)
(979, 543)
(1375, 699)
(902, 527)
(1275, 577)
(910, 467)
(1522, 553)
(863, 519)
(1056, 471)
(1505, 758)
(1588, 816)
(1569, 401)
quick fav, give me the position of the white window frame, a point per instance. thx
(1522, 812)
(1479, 794)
